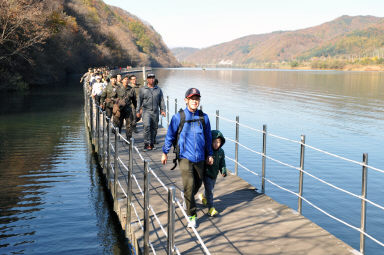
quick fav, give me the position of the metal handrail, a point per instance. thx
(363, 164)
(301, 170)
(119, 163)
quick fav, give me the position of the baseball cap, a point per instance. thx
(192, 92)
(150, 75)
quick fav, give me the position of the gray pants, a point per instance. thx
(150, 122)
(192, 175)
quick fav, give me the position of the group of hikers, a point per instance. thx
(125, 100)
(198, 149)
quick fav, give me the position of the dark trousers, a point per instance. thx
(192, 175)
(118, 122)
(108, 111)
(209, 185)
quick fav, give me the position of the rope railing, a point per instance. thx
(193, 228)
(306, 145)
(301, 170)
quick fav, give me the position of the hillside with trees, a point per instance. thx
(357, 40)
(43, 41)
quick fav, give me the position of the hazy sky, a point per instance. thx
(203, 23)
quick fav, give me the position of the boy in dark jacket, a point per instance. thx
(213, 170)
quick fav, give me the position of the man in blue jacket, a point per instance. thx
(195, 147)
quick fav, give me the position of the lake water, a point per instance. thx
(51, 199)
(339, 112)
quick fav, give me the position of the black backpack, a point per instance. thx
(176, 147)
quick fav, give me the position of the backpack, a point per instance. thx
(176, 147)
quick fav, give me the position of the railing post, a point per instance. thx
(115, 166)
(301, 175)
(98, 131)
(129, 189)
(146, 207)
(237, 146)
(263, 159)
(175, 105)
(108, 151)
(167, 111)
(144, 74)
(363, 203)
(171, 221)
(217, 119)
(103, 151)
(91, 117)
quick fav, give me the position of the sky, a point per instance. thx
(203, 23)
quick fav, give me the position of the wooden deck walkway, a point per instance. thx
(248, 223)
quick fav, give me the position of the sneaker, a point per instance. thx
(146, 147)
(202, 199)
(212, 212)
(153, 147)
(192, 221)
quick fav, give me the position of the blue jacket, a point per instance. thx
(194, 144)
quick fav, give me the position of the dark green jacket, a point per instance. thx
(126, 98)
(109, 92)
(218, 158)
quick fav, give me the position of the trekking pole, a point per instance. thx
(263, 159)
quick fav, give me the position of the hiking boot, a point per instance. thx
(202, 199)
(212, 212)
(192, 221)
(146, 147)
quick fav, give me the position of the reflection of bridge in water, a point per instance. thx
(148, 201)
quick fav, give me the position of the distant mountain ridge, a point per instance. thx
(344, 36)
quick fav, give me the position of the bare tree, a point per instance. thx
(22, 26)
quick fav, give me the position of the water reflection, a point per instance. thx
(51, 199)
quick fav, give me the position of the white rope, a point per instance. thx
(343, 158)
(138, 152)
(251, 128)
(125, 140)
(158, 221)
(122, 188)
(226, 119)
(112, 147)
(252, 172)
(137, 216)
(345, 191)
(153, 249)
(158, 179)
(283, 138)
(138, 185)
(194, 229)
(122, 163)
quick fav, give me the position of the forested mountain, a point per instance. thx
(344, 37)
(42, 41)
(182, 53)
